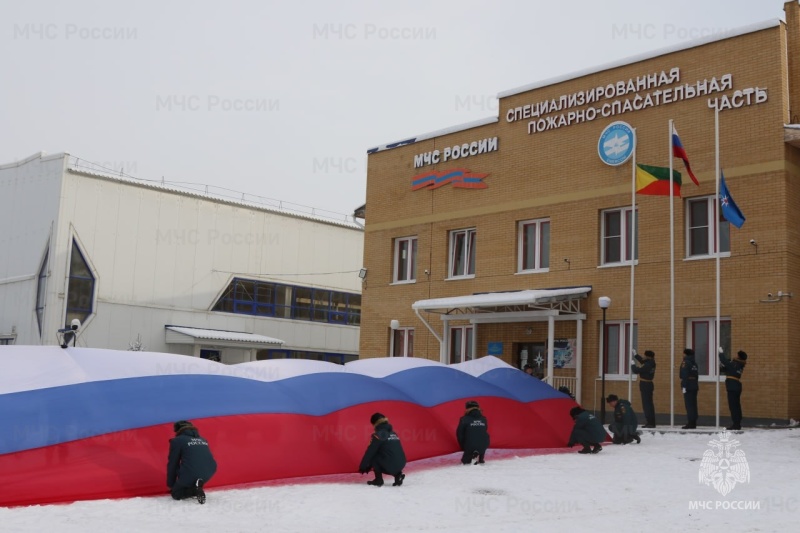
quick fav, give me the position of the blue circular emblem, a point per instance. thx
(616, 143)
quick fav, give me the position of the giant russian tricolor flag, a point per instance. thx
(79, 423)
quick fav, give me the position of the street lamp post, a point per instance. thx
(605, 303)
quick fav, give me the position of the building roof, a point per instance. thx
(189, 335)
(791, 134)
(751, 28)
(686, 45)
(502, 299)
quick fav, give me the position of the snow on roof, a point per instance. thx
(433, 134)
(166, 186)
(751, 28)
(647, 55)
(219, 335)
(497, 299)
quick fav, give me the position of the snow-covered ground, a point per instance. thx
(654, 486)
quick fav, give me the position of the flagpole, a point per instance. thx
(671, 288)
(633, 262)
(717, 336)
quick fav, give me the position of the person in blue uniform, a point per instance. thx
(689, 387)
(384, 454)
(190, 463)
(646, 374)
(733, 368)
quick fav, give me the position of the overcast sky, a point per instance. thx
(283, 99)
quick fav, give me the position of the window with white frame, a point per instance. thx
(534, 245)
(615, 343)
(405, 259)
(617, 227)
(701, 334)
(461, 344)
(402, 342)
(462, 253)
(701, 231)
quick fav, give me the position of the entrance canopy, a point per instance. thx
(532, 305)
(230, 339)
(561, 300)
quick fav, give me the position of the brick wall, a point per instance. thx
(557, 174)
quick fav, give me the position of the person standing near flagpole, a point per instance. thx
(733, 369)
(646, 374)
(689, 387)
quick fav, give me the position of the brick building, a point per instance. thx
(497, 237)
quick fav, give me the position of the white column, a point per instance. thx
(579, 360)
(551, 331)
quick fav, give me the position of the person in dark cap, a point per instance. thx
(190, 463)
(588, 431)
(689, 387)
(384, 454)
(624, 427)
(646, 374)
(733, 386)
(473, 434)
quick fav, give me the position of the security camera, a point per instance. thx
(75, 324)
(769, 295)
(426, 272)
(753, 242)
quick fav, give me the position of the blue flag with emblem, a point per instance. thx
(730, 210)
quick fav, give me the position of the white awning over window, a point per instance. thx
(215, 337)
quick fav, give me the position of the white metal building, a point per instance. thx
(148, 266)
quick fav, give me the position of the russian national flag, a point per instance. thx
(679, 152)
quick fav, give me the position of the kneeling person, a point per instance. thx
(473, 434)
(190, 464)
(588, 431)
(625, 425)
(384, 454)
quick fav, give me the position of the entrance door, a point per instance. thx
(531, 353)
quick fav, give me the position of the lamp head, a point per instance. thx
(604, 302)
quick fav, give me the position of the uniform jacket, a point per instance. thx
(733, 372)
(624, 414)
(587, 429)
(473, 431)
(189, 459)
(648, 368)
(385, 448)
(689, 373)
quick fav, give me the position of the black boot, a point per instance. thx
(398, 479)
(597, 448)
(585, 449)
(377, 482)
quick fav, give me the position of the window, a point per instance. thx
(615, 343)
(80, 291)
(702, 237)
(338, 358)
(405, 259)
(211, 355)
(616, 226)
(41, 293)
(702, 335)
(462, 253)
(403, 342)
(250, 297)
(461, 344)
(534, 245)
